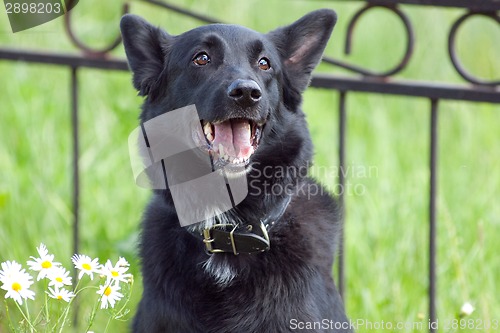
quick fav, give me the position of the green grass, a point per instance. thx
(388, 139)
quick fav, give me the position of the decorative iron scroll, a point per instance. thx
(410, 41)
(452, 51)
(88, 51)
(487, 9)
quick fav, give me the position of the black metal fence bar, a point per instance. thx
(408, 88)
(342, 145)
(434, 90)
(433, 152)
(75, 153)
(59, 59)
(75, 156)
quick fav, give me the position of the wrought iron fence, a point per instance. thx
(368, 81)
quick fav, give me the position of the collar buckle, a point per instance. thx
(208, 240)
(223, 238)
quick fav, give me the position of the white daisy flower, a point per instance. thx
(59, 277)
(60, 294)
(16, 282)
(44, 263)
(110, 295)
(116, 273)
(8, 269)
(122, 262)
(86, 265)
(466, 309)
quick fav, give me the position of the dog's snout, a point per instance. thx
(244, 92)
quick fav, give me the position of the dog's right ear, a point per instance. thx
(146, 48)
(301, 46)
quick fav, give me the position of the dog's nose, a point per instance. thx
(244, 92)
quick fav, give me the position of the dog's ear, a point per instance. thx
(146, 48)
(302, 43)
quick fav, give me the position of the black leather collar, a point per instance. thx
(236, 239)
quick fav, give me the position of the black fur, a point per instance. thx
(291, 281)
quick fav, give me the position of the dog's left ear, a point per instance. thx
(302, 43)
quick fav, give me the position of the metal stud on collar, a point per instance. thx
(233, 244)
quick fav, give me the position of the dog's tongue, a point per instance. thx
(234, 136)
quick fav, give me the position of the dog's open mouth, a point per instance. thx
(232, 141)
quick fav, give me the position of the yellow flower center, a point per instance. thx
(115, 273)
(59, 297)
(107, 291)
(86, 266)
(16, 287)
(58, 279)
(46, 264)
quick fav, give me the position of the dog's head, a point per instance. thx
(242, 82)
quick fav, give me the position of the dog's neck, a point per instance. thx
(227, 234)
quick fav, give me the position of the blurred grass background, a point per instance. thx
(387, 153)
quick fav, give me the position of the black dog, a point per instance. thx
(267, 268)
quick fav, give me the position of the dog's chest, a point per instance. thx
(258, 306)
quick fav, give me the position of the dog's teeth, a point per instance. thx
(210, 137)
(207, 129)
(221, 149)
(231, 159)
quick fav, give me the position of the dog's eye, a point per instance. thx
(201, 59)
(264, 64)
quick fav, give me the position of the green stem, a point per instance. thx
(119, 313)
(64, 315)
(26, 317)
(11, 326)
(35, 321)
(93, 314)
(107, 324)
(46, 303)
(42, 310)
(127, 300)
